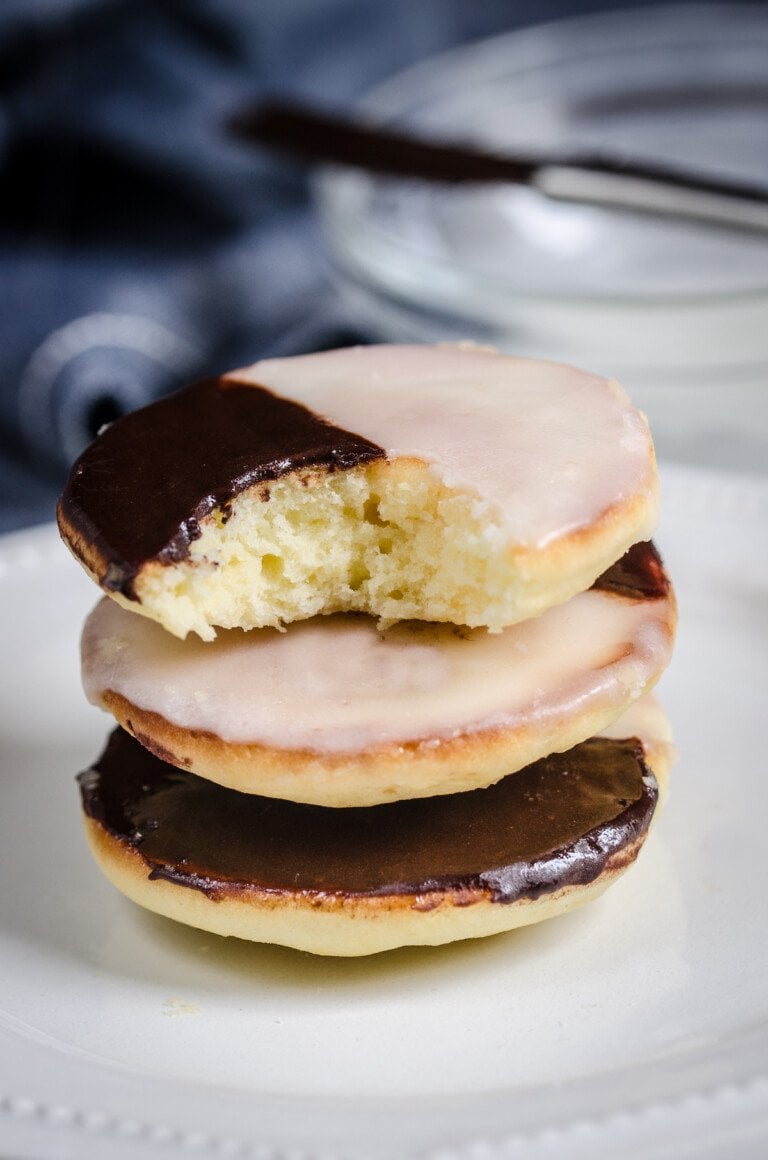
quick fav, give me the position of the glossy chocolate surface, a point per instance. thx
(141, 488)
(553, 824)
(638, 574)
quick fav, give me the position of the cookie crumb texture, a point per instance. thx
(388, 539)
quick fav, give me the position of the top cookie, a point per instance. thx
(444, 483)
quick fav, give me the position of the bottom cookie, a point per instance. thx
(362, 880)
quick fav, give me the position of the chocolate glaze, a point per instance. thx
(141, 488)
(553, 824)
(639, 574)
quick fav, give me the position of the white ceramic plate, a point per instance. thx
(635, 1026)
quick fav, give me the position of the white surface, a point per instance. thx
(637, 1025)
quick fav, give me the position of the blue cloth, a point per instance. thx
(140, 246)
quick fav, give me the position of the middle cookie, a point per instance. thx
(335, 712)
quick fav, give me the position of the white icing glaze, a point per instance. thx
(551, 448)
(336, 684)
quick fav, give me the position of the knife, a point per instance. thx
(329, 138)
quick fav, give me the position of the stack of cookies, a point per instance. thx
(380, 629)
